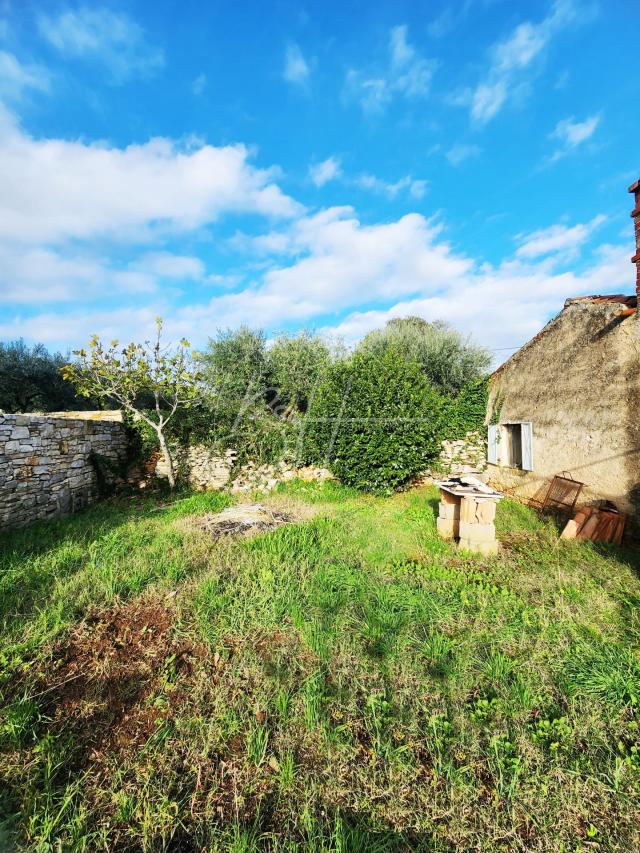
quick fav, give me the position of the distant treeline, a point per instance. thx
(30, 380)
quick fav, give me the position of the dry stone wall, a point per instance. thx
(465, 456)
(48, 462)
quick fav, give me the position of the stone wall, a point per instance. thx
(204, 470)
(464, 456)
(46, 467)
(200, 466)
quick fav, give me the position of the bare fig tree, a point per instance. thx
(135, 374)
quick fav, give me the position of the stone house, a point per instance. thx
(569, 401)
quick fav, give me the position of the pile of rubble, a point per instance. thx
(263, 478)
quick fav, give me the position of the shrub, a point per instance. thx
(376, 421)
(448, 359)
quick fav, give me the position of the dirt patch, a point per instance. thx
(99, 681)
(243, 520)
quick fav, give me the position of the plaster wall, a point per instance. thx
(578, 382)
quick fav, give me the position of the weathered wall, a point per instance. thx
(200, 466)
(464, 455)
(45, 462)
(578, 382)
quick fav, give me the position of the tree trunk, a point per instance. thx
(164, 447)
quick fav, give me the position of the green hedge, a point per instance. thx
(467, 411)
(375, 421)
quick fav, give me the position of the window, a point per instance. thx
(511, 445)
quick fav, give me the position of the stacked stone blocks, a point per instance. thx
(477, 529)
(46, 467)
(448, 521)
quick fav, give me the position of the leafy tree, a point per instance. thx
(234, 365)
(296, 364)
(375, 420)
(129, 374)
(448, 359)
(30, 380)
(233, 370)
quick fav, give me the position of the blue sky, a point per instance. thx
(327, 166)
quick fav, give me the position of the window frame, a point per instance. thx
(497, 442)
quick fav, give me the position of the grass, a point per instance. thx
(346, 683)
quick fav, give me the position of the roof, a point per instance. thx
(616, 299)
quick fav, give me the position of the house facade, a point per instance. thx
(569, 402)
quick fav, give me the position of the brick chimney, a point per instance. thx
(635, 213)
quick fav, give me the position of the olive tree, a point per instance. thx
(448, 359)
(136, 374)
(296, 364)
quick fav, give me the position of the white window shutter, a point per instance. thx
(492, 444)
(526, 433)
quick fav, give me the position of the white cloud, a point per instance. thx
(199, 84)
(331, 268)
(571, 134)
(407, 74)
(16, 78)
(43, 276)
(458, 153)
(54, 190)
(296, 68)
(560, 240)
(327, 170)
(487, 101)
(416, 188)
(102, 35)
(510, 58)
(168, 265)
(449, 18)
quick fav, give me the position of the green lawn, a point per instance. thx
(346, 683)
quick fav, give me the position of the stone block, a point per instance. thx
(468, 509)
(447, 528)
(20, 432)
(486, 511)
(477, 532)
(446, 498)
(447, 510)
(487, 548)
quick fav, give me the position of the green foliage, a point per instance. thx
(296, 365)
(30, 380)
(609, 672)
(125, 374)
(449, 361)
(466, 412)
(375, 420)
(129, 374)
(236, 413)
(142, 438)
(234, 367)
(496, 407)
(554, 735)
